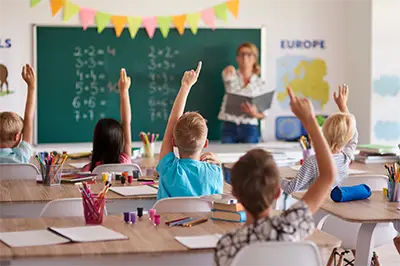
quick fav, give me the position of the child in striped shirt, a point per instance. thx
(341, 134)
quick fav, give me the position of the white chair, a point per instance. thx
(303, 253)
(116, 167)
(64, 208)
(183, 204)
(348, 232)
(11, 171)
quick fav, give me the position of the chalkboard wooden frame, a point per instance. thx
(262, 59)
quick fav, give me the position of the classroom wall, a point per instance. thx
(283, 19)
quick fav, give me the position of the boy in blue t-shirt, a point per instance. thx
(192, 174)
(16, 134)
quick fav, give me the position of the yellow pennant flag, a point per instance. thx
(233, 6)
(134, 25)
(70, 10)
(56, 6)
(193, 21)
(119, 24)
(179, 22)
(102, 20)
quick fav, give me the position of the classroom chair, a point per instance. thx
(116, 167)
(183, 204)
(347, 232)
(303, 253)
(12, 171)
(64, 208)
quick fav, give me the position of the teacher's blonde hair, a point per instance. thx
(254, 49)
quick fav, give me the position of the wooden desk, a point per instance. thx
(147, 244)
(26, 198)
(369, 213)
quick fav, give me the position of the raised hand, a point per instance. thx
(229, 71)
(190, 77)
(28, 74)
(301, 107)
(124, 81)
(341, 97)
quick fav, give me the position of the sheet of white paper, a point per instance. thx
(89, 233)
(351, 171)
(194, 242)
(31, 238)
(78, 165)
(135, 190)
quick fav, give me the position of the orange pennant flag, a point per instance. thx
(179, 22)
(56, 6)
(233, 6)
(119, 24)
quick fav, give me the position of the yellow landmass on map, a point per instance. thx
(312, 85)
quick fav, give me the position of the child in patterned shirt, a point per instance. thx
(256, 184)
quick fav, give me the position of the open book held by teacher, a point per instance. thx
(234, 101)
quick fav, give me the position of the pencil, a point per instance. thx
(195, 222)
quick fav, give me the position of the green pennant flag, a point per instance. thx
(102, 20)
(220, 11)
(134, 25)
(164, 23)
(34, 2)
(193, 21)
(70, 10)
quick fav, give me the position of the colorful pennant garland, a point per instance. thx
(89, 16)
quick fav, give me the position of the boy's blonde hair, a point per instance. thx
(338, 130)
(10, 124)
(190, 133)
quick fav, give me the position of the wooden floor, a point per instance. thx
(387, 254)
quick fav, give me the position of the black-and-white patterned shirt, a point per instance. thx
(235, 84)
(309, 170)
(292, 225)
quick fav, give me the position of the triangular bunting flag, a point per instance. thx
(134, 25)
(193, 21)
(34, 2)
(233, 6)
(164, 23)
(150, 24)
(179, 22)
(56, 5)
(70, 10)
(208, 17)
(87, 16)
(102, 20)
(119, 24)
(220, 11)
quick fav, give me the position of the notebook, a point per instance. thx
(135, 190)
(31, 238)
(88, 233)
(72, 178)
(234, 102)
(196, 242)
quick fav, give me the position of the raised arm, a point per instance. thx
(28, 74)
(341, 98)
(123, 84)
(316, 194)
(188, 80)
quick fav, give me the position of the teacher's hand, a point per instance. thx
(229, 71)
(251, 109)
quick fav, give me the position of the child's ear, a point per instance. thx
(173, 143)
(17, 137)
(205, 144)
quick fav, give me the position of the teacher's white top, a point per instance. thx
(235, 84)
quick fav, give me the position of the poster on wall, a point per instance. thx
(5, 43)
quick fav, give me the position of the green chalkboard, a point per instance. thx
(78, 73)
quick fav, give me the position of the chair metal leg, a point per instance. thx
(331, 260)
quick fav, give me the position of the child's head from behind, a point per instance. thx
(108, 141)
(338, 130)
(256, 181)
(190, 133)
(11, 126)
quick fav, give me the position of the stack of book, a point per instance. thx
(377, 154)
(228, 210)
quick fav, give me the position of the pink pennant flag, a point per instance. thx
(150, 24)
(208, 17)
(87, 16)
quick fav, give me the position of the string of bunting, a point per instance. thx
(89, 16)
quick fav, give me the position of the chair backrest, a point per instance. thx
(303, 253)
(183, 204)
(63, 208)
(375, 182)
(116, 167)
(10, 171)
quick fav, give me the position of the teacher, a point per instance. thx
(245, 80)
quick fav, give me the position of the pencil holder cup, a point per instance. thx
(93, 209)
(51, 174)
(149, 150)
(307, 153)
(393, 192)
